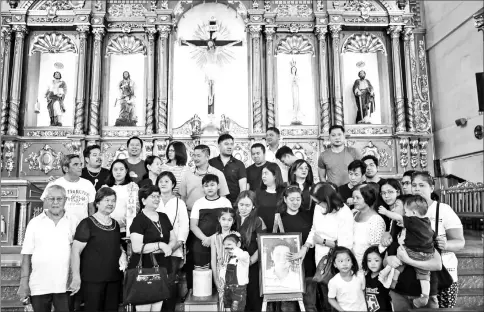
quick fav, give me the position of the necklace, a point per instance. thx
(157, 225)
(92, 175)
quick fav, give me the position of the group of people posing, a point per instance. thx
(99, 222)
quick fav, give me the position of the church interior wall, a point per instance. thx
(455, 50)
(402, 140)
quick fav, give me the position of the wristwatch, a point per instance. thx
(324, 242)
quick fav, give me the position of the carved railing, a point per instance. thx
(467, 199)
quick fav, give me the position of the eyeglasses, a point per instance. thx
(387, 193)
(109, 201)
(152, 196)
(55, 199)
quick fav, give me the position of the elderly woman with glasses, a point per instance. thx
(97, 256)
(154, 231)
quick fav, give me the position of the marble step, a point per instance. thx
(470, 262)
(471, 278)
(12, 306)
(10, 273)
(471, 298)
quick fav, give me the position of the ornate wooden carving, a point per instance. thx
(271, 115)
(81, 74)
(96, 81)
(338, 96)
(394, 31)
(6, 37)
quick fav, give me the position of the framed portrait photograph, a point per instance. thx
(278, 275)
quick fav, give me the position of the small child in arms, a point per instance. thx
(418, 239)
(236, 274)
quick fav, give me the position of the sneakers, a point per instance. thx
(421, 302)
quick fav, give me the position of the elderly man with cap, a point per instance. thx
(46, 253)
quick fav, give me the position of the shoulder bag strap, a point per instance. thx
(437, 219)
(176, 214)
(140, 262)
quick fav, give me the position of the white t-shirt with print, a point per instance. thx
(79, 195)
(448, 219)
(204, 203)
(349, 295)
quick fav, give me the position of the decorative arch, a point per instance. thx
(363, 43)
(295, 45)
(57, 4)
(53, 43)
(183, 6)
(125, 44)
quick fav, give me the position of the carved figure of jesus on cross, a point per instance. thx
(210, 51)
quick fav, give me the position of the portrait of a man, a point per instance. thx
(279, 274)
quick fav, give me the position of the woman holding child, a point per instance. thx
(249, 224)
(450, 233)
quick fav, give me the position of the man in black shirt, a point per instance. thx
(356, 170)
(92, 170)
(254, 171)
(371, 173)
(233, 169)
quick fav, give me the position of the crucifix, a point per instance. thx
(210, 51)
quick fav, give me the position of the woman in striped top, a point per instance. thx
(176, 154)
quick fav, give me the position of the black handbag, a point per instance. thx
(146, 285)
(443, 276)
(323, 270)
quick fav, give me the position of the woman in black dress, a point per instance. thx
(269, 196)
(301, 174)
(249, 224)
(153, 230)
(97, 256)
(296, 219)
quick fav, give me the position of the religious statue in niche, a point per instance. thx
(126, 100)
(295, 94)
(55, 95)
(210, 51)
(365, 98)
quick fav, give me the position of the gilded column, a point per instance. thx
(323, 81)
(255, 31)
(162, 85)
(13, 115)
(395, 31)
(409, 52)
(96, 81)
(81, 80)
(338, 95)
(22, 223)
(271, 115)
(5, 70)
(149, 124)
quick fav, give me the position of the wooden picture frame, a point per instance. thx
(269, 248)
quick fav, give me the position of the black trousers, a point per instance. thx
(101, 296)
(43, 303)
(170, 304)
(254, 300)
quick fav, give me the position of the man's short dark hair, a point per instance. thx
(204, 148)
(409, 173)
(87, 151)
(134, 138)
(259, 145)
(283, 151)
(336, 127)
(355, 164)
(210, 178)
(273, 129)
(224, 137)
(375, 160)
(66, 161)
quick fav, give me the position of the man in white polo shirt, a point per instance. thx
(46, 250)
(80, 192)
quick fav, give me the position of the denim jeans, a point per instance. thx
(404, 303)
